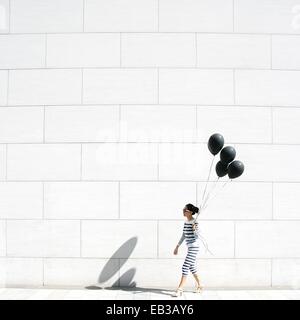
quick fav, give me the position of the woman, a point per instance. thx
(191, 236)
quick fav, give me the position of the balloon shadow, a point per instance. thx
(109, 270)
(125, 282)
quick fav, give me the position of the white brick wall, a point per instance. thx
(83, 50)
(43, 162)
(285, 52)
(105, 110)
(158, 50)
(82, 123)
(80, 200)
(286, 200)
(21, 124)
(80, 272)
(233, 51)
(16, 272)
(29, 204)
(43, 238)
(39, 16)
(266, 16)
(22, 51)
(44, 86)
(121, 16)
(195, 16)
(126, 86)
(195, 86)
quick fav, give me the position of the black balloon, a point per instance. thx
(215, 143)
(227, 154)
(221, 169)
(235, 169)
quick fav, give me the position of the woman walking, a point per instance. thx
(191, 236)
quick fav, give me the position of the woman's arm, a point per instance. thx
(195, 228)
(181, 239)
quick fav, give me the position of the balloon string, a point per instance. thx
(206, 204)
(210, 191)
(204, 243)
(203, 240)
(206, 182)
(207, 196)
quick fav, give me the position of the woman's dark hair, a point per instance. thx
(192, 208)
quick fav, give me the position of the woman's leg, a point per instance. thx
(193, 266)
(182, 281)
(189, 259)
(197, 279)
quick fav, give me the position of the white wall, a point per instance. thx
(105, 110)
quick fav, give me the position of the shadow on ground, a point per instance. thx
(125, 281)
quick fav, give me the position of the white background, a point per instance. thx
(105, 110)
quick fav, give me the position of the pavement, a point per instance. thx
(138, 293)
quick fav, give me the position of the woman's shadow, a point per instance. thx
(125, 281)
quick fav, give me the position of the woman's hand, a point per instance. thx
(176, 250)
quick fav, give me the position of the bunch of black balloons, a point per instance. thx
(227, 164)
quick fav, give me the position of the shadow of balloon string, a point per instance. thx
(125, 281)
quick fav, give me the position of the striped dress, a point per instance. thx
(190, 236)
(192, 240)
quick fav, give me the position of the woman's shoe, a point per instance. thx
(198, 289)
(178, 293)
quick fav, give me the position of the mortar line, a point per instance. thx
(119, 272)
(162, 32)
(81, 162)
(120, 124)
(145, 258)
(233, 16)
(44, 125)
(6, 255)
(43, 197)
(9, 16)
(271, 272)
(196, 50)
(158, 17)
(120, 43)
(272, 124)
(157, 239)
(82, 87)
(46, 50)
(234, 239)
(271, 51)
(7, 89)
(196, 122)
(80, 231)
(151, 104)
(83, 15)
(234, 93)
(119, 200)
(145, 180)
(157, 151)
(197, 204)
(158, 75)
(199, 68)
(204, 220)
(6, 161)
(115, 141)
(43, 260)
(272, 205)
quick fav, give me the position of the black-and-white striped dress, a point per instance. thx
(192, 240)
